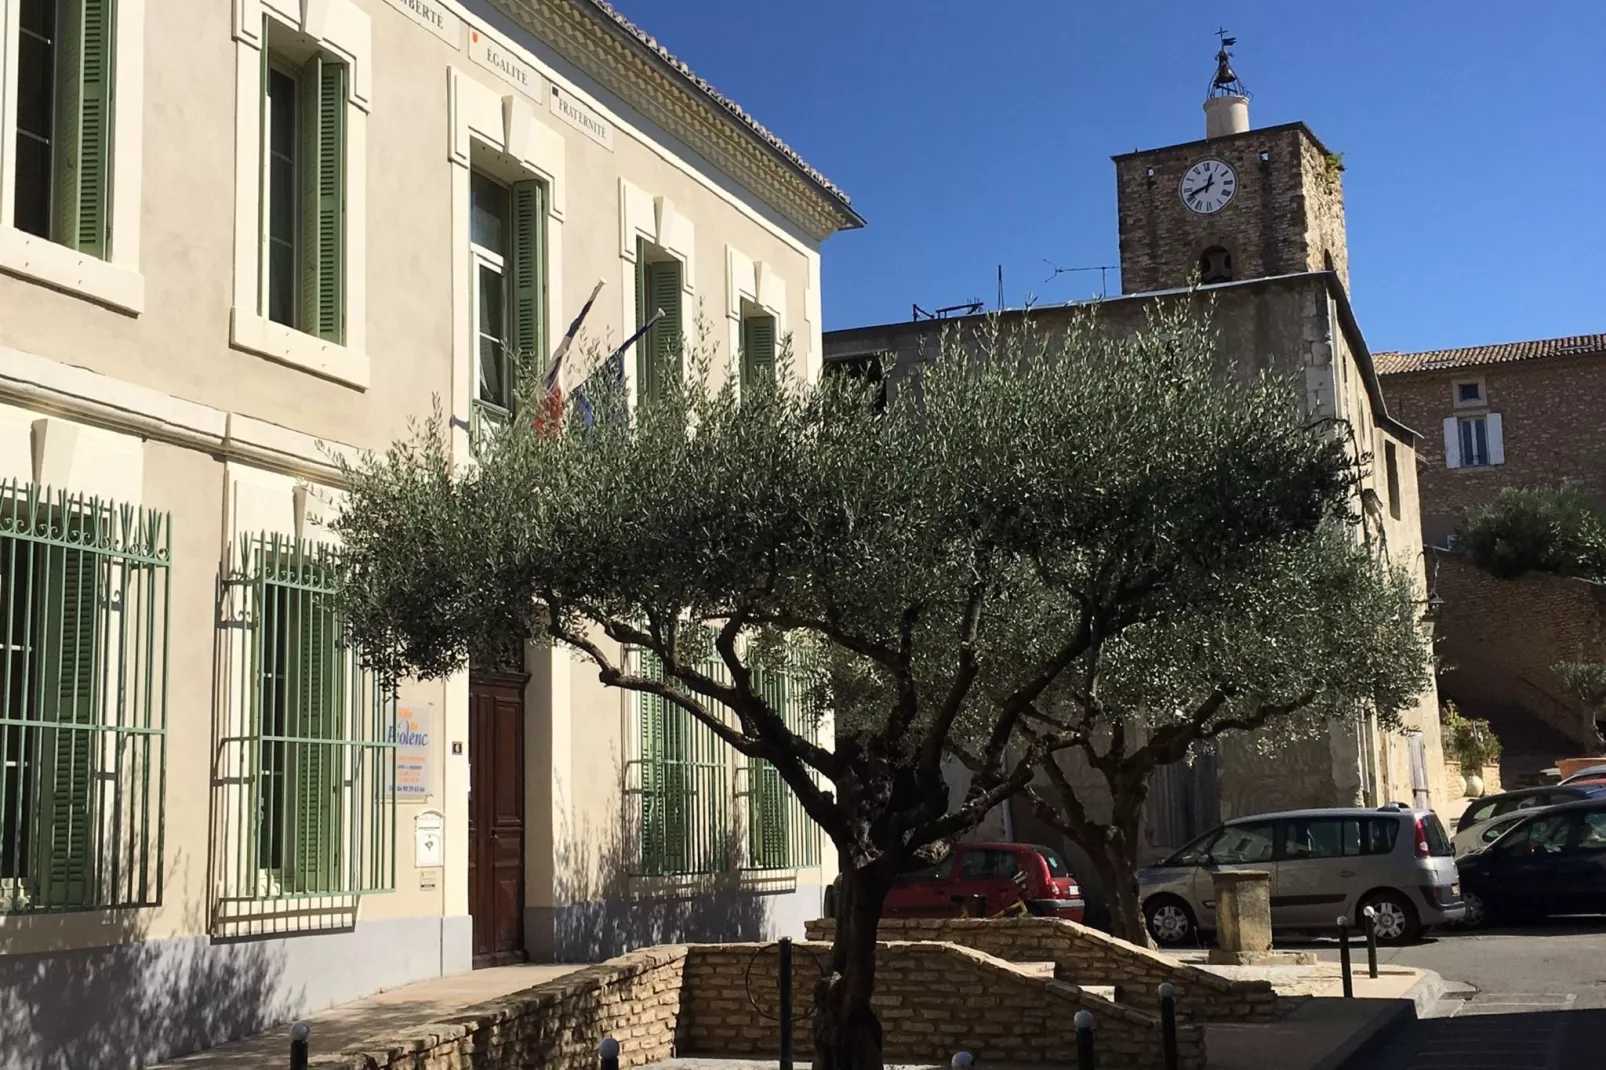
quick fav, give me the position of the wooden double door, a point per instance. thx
(496, 819)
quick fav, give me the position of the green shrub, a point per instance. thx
(1468, 739)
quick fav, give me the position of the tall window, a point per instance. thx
(64, 116)
(304, 193)
(1474, 442)
(1392, 463)
(507, 235)
(658, 287)
(318, 814)
(684, 787)
(686, 817)
(780, 835)
(758, 349)
(83, 610)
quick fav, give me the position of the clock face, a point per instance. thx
(1208, 186)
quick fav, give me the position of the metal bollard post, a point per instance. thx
(1370, 916)
(962, 1061)
(610, 1054)
(1343, 957)
(299, 1045)
(786, 1002)
(1168, 1024)
(1084, 1040)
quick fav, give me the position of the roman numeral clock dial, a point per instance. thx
(1208, 186)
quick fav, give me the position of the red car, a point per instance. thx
(1006, 873)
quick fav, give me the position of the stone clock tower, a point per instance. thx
(1239, 204)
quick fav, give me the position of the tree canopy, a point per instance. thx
(1540, 529)
(947, 561)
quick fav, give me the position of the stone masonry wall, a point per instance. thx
(1550, 416)
(1084, 956)
(933, 1000)
(1500, 638)
(637, 999)
(1280, 221)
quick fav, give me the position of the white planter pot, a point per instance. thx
(1474, 786)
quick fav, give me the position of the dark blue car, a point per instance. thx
(1553, 862)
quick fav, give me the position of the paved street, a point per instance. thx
(1537, 998)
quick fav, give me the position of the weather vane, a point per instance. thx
(1226, 83)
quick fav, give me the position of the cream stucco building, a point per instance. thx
(241, 238)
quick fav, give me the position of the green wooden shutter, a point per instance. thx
(658, 356)
(527, 316)
(323, 196)
(319, 714)
(758, 350)
(652, 771)
(82, 154)
(67, 751)
(666, 336)
(767, 829)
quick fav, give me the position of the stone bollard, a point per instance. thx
(1243, 917)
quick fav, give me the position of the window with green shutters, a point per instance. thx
(683, 787)
(314, 809)
(508, 251)
(659, 280)
(687, 816)
(779, 834)
(304, 194)
(758, 350)
(83, 649)
(64, 117)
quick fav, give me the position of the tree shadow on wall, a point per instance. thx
(128, 1000)
(609, 907)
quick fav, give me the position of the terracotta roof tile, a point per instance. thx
(1577, 345)
(721, 99)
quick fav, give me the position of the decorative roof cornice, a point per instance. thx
(642, 73)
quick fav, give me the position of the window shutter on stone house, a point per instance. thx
(1452, 442)
(1494, 427)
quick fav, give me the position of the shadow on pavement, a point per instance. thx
(1476, 1041)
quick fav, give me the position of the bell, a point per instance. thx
(1224, 72)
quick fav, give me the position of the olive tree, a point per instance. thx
(1088, 485)
(1310, 629)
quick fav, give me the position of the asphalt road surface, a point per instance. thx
(1535, 997)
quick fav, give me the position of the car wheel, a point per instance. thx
(1477, 915)
(1170, 921)
(1394, 918)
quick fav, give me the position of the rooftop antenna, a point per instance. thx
(1226, 82)
(1102, 269)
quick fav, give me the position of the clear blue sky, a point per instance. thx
(973, 134)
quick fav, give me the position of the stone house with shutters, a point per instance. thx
(1265, 251)
(1517, 414)
(240, 240)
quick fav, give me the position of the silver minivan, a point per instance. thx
(1323, 863)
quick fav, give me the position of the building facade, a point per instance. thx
(1249, 222)
(1519, 414)
(240, 241)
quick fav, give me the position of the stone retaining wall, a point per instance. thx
(1085, 956)
(721, 999)
(637, 999)
(933, 1000)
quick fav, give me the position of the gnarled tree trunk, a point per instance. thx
(847, 1033)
